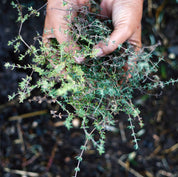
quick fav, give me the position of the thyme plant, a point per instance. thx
(99, 88)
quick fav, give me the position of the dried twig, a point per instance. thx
(121, 127)
(59, 123)
(148, 174)
(131, 170)
(150, 7)
(165, 173)
(21, 172)
(171, 149)
(20, 136)
(51, 157)
(28, 115)
(155, 152)
(31, 160)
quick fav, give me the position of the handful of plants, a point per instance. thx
(96, 90)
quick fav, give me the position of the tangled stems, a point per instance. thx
(99, 88)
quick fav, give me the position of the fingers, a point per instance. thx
(70, 45)
(47, 33)
(126, 17)
(64, 39)
(58, 28)
(118, 36)
(106, 8)
(135, 39)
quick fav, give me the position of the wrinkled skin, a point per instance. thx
(125, 14)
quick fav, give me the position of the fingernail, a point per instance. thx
(97, 52)
(79, 59)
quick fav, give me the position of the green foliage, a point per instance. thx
(99, 88)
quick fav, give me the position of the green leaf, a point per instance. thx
(79, 158)
(64, 2)
(77, 169)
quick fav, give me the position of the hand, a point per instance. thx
(126, 17)
(56, 25)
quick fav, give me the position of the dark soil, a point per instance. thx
(40, 144)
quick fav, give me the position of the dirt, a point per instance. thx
(41, 144)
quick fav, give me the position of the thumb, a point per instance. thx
(118, 36)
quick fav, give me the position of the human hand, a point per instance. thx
(126, 17)
(56, 25)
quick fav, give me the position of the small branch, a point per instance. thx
(131, 170)
(171, 149)
(31, 160)
(28, 115)
(20, 136)
(21, 172)
(59, 124)
(51, 157)
(42, 7)
(165, 173)
(133, 132)
(121, 127)
(81, 154)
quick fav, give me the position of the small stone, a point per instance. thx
(76, 122)
(34, 124)
(172, 56)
